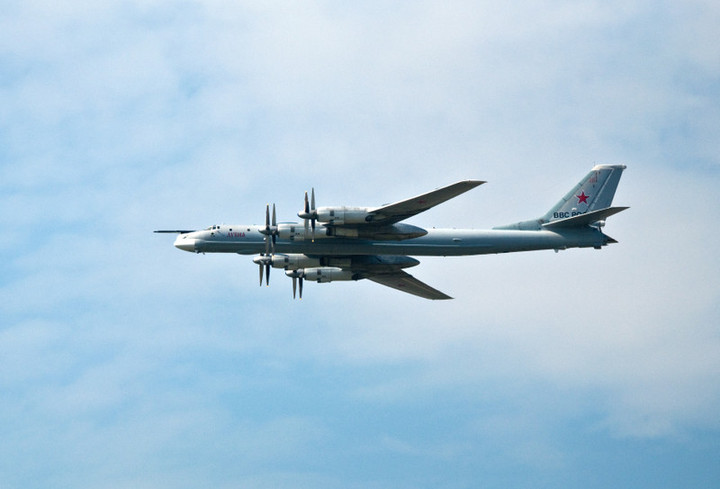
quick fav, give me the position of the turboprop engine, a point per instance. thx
(295, 261)
(291, 231)
(343, 215)
(319, 275)
(323, 275)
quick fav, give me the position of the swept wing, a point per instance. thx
(405, 282)
(383, 269)
(398, 211)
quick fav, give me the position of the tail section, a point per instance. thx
(595, 192)
(587, 203)
(585, 219)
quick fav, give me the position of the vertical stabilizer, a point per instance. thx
(592, 198)
(594, 192)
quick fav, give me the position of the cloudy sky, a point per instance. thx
(125, 363)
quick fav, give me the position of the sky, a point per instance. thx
(125, 362)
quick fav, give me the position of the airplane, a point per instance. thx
(354, 243)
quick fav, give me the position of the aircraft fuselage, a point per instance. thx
(248, 240)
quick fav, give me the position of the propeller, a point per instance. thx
(309, 212)
(270, 231)
(296, 275)
(264, 262)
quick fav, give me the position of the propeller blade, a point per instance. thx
(270, 232)
(309, 212)
(267, 230)
(274, 231)
(263, 262)
(306, 210)
(314, 212)
(296, 275)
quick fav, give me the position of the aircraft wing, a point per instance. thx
(405, 282)
(392, 213)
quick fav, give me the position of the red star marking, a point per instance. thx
(582, 198)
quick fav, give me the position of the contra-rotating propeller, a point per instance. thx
(270, 231)
(309, 212)
(296, 275)
(263, 261)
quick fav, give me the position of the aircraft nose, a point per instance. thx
(184, 243)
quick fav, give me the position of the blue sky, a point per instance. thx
(127, 363)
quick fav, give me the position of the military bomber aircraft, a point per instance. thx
(354, 243)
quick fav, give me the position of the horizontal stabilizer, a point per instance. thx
(584, 219)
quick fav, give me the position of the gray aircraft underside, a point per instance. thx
(354, 243)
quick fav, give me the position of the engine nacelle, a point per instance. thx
(291, 231)
(343, 215)
(327, 274)
(294, 261)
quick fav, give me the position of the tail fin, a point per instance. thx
(595, 192)
(589, 201)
